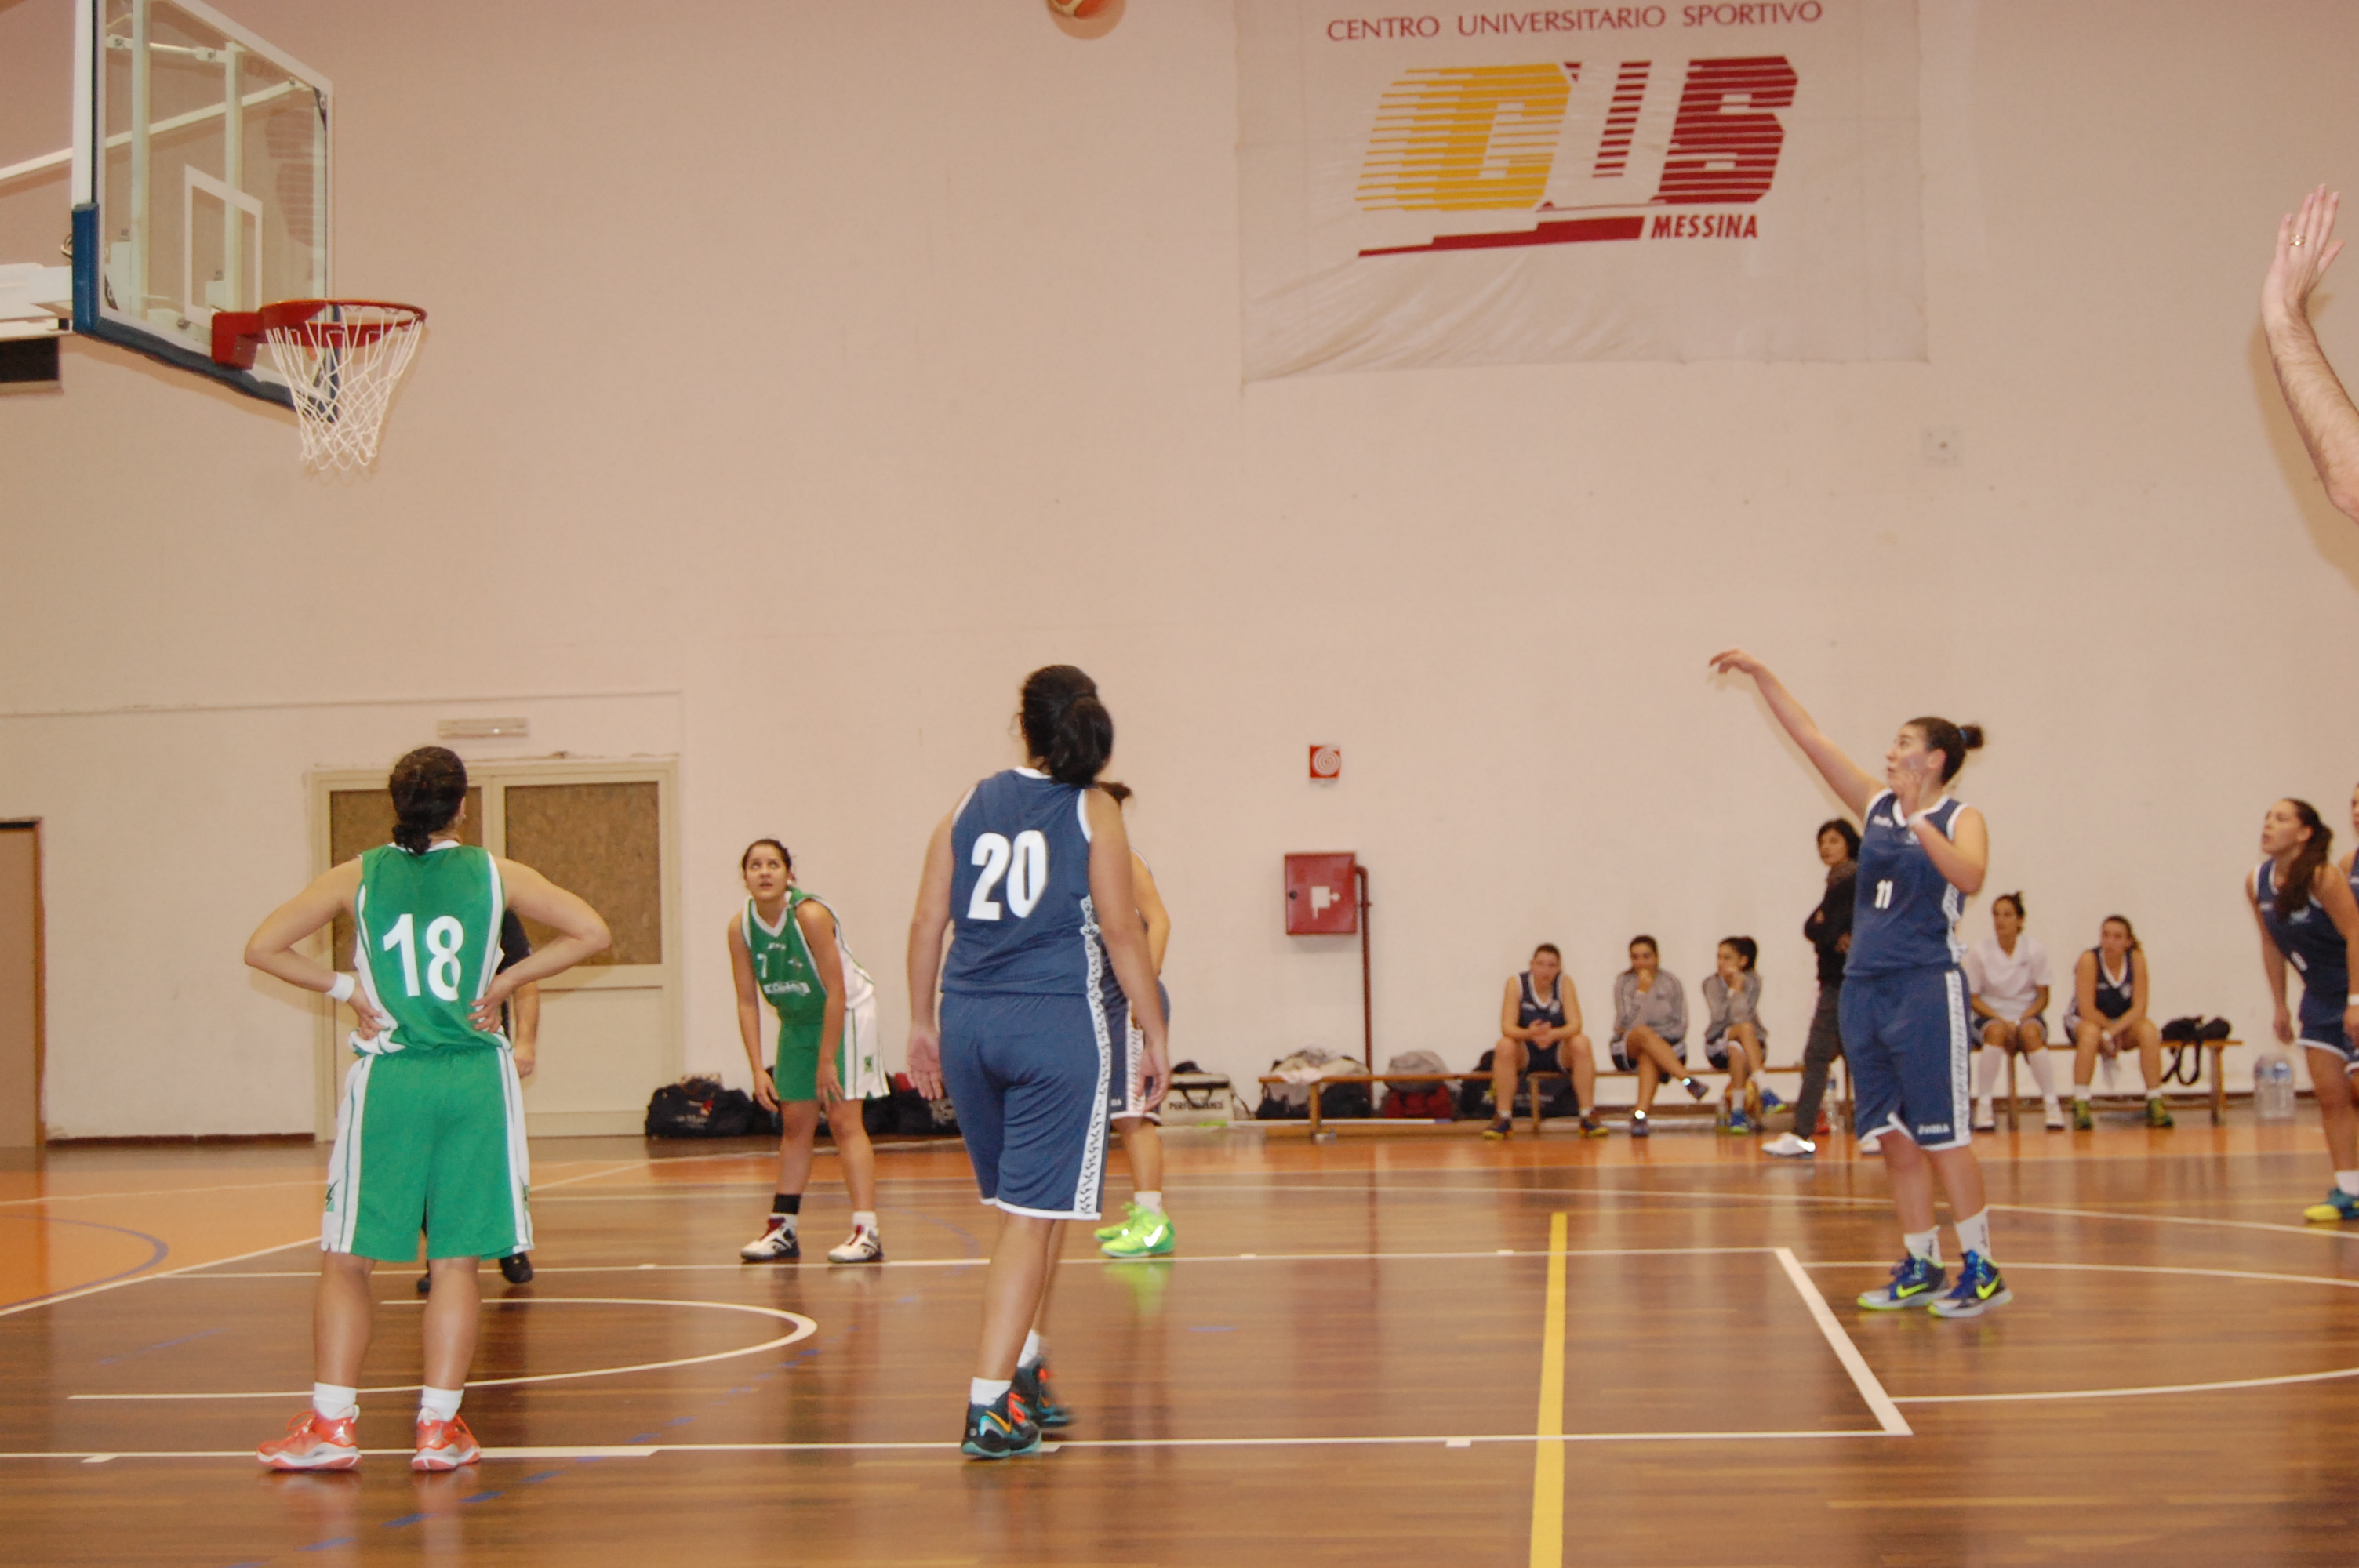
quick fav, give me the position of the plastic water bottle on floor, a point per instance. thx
(2273, 1088)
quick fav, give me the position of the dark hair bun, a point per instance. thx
(1971, 735)
(1065, 724)
(427, 787)
(1120, 791)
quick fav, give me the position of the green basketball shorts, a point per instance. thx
(430, 1140)
(859, 1067)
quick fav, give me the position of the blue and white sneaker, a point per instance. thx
(1737, 1121)
(1769, 1101)
(1915, 1283)
(1980, 1288)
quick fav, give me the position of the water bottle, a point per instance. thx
(2273, 1088)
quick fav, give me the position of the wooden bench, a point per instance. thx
(2174, 1071)
(1534, 1079)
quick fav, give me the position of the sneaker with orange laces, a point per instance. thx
(445, 1445)
(313, 1443)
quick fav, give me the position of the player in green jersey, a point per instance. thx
(431, 1134)
(785, 947)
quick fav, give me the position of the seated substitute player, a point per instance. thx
(1923, 854)
(1650, 1024)
(1021, 866)
(1736, 1041)
(431, 1134)
(1145, 1230)
(785, 946)
(1539, 1032)
(2309, 919)
(2010, 974)
(2108, 1012)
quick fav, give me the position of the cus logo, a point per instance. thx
(1494, 137)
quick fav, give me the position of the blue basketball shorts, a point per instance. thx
(1130, 1064)
(2321, 1028)
(1030, 1077)
(1909, 1041)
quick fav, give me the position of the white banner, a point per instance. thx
(1671, 181)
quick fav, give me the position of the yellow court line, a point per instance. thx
(1548, 1458)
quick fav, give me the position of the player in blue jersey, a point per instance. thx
(2304, 906)
(1904, 1023)
(1018, 874)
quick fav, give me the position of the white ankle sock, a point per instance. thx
(866, 1220)
(2347, 1180)
(438, 1404)
(1925, 1244)
(334, 1402)
(984, 1390)
(2042, 1073)
(1974, 1235)
(1033, 1348)
(2080, 1091)
(1151, 1202)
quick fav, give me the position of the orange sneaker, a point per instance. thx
(444, 1445)
(312, 1442)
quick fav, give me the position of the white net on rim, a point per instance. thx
(342, 359)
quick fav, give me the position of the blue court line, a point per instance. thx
(161, 1252)
(161, 1344)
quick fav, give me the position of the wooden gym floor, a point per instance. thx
(1372, 1351)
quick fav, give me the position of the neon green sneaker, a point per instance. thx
(1148, 1236)
(1130, 1212)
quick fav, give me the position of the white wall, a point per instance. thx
(830, 365)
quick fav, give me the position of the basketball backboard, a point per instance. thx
(199, 183)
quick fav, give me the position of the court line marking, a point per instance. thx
(1436, 1440)
(804, 1328)
(1548, 1458)
(56, 1297)
(749, 1271)
(320, 1181)
(1864, 1379)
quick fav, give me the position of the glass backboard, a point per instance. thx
(202, 181)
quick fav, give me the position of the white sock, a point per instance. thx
(2347, 1180)
(1974, 1235)
(2042, 1073)
(2080, 1091)
(1033, 1348)
(1994, 1064)
(334, 1402)
(2153, 1094)
(866, 1220)
(1924, 1244)
(1151, 1202)
(985, 1390)
(438, 1404)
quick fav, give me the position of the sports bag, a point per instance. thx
(700, 1107)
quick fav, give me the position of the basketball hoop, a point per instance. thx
(342, 360)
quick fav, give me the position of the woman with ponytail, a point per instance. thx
(431, 1134)
(1032, 872)
(1904, 1023)
(2308, 919)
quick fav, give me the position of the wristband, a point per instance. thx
(345, 985)
(2351, 1001)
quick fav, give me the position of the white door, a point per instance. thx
(610, 1030)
